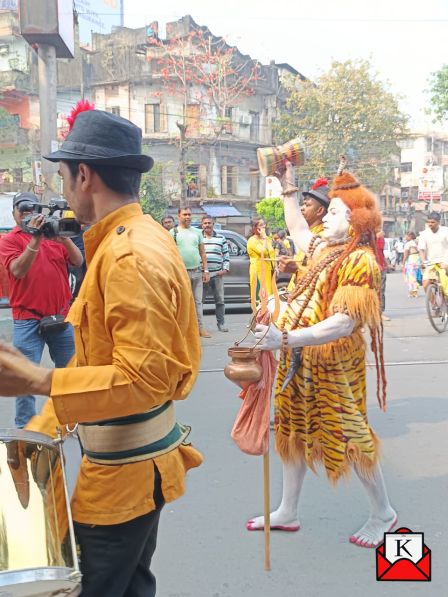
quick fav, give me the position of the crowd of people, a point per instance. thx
(128, 347)
(415, 255)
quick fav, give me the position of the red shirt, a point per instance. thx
(45, 287)
(380, 244)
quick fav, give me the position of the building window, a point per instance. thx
(229, 180)
(254, 184)
(193, 119)
(115, 110)
(254, 126)
(406, 143)
(228, 124)
(429, 144)
(193, 180)
(406, 167)
(152, 118)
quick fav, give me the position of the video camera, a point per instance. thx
(63, 224)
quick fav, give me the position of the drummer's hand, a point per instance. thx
(286, 175)
(20, 376)
(16, 458)
(287, 265)
(272, 338)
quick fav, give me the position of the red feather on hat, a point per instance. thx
(81, 106)
(320, 182)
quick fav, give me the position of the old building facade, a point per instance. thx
(129, 77)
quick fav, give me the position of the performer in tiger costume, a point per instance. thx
(320, 398)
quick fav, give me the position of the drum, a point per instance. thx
(37, 545)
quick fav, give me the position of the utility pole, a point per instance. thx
(49, 25)
(48, 114)
(182, 166)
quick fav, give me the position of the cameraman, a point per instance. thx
(38, 287)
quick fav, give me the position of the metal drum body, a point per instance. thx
(37, 547)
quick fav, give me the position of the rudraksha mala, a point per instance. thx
(308, 284)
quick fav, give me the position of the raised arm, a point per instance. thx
(295, 222)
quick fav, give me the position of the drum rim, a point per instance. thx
(9, 578)
(27, 436)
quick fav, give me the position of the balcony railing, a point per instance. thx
(15, 79)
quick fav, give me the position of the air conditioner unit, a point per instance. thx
(245, 119)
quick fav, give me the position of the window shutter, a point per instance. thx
(202, 180)
(163, 118)
(149, 118)
(224, 180)
(235, 180)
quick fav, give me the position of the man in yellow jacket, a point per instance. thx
(314, 206)
(137, 351)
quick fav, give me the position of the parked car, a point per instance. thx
(236, 282)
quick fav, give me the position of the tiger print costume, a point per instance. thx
(321, 415)
(301, 259)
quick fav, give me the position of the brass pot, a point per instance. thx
(244, 368)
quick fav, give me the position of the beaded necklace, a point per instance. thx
(307, 284)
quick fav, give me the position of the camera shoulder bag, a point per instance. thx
(48, 323)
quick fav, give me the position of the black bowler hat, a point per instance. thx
(319, 191)
(103, 139)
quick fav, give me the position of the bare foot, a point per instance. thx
(278, 522)
(371, 534)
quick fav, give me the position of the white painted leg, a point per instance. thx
(382, 516)
(285, 517)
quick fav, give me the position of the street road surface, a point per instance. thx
(204, 549)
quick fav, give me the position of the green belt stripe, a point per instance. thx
(173, 436)
(138, 418)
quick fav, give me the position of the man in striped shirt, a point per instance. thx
(217, 251)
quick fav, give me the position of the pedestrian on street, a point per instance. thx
(281, 244)
(399, 248)
(137, 351)
(314, 206)
(190, 242)
(380, 244)
(217, 251)
(260, 245)
(433, 247)
(38, 288)
(168, 222)
(412, 265)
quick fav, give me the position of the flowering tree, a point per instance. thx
(203, 70)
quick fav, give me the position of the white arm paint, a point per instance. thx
(332, 328)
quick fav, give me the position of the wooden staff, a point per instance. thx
(267, 513)
(266, 488)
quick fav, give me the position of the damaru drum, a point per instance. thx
(37, 546)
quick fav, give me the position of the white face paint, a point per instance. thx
(336, 221)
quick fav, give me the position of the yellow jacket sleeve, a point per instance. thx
(155, 357)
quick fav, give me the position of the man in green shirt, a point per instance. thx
(190, 242)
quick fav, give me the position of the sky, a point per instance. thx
(405, 41)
